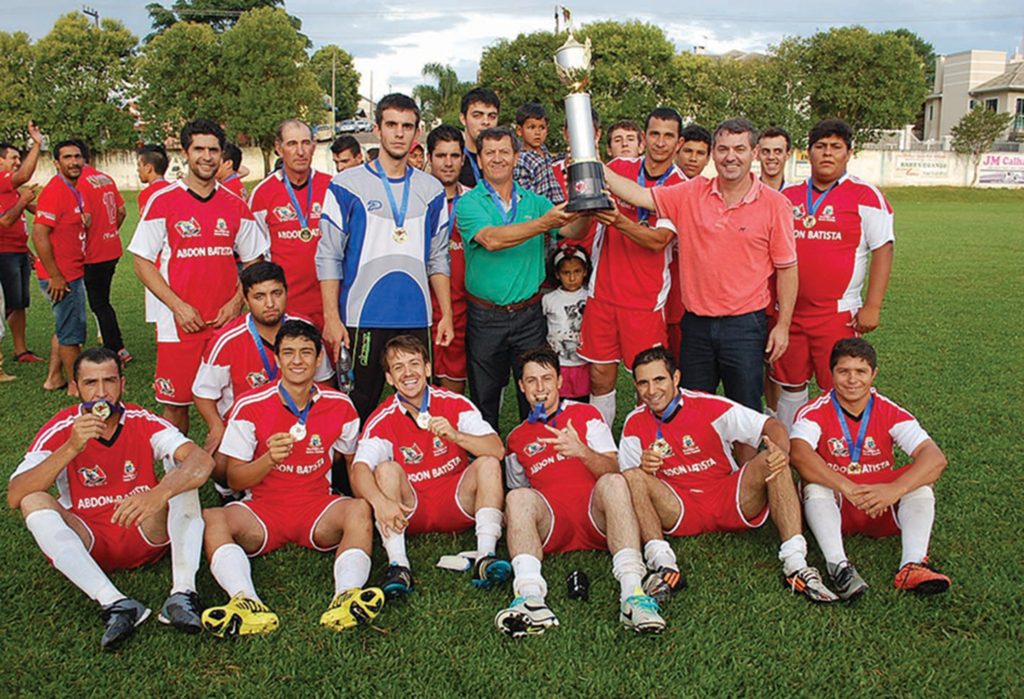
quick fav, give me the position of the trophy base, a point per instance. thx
(587, 191)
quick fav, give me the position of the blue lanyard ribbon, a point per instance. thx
(540, 414)
(854, 447)
(397, 214)
(451, 212)
(507, 216)
(472, 161)
(813, 206)
(270, 369)
(294, 409)
(114, 407)
(669, 409)
(424, 406)
(642, 215)
(303, 218)
(78, 195)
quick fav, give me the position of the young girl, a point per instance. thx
(563, 309)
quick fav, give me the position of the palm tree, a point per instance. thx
(443, 100)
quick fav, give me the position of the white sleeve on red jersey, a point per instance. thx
(740, 424)
(251, 243)
(806, 429)
(165, 443)
(908, 434)
(876, 219)
(211, 380)
(630, 451)
(349, 437)
(471, 422)
(239, 441)
(599, 436)
(373, 451)
(515, 474)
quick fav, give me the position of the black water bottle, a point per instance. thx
(578, 585)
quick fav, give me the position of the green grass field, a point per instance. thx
(950, 348)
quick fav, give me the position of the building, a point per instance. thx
(956, 76)
(1005, 93)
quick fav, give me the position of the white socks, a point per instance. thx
(823, 517)
(793, 554)
(62, 546)
(789, 405)
(230, 568)
(185, 527)
(351, 570)
(528, 580)
(605, 405)
(394, 545)
(659, 554)
(488, 530)
(628, 568)
(916, 514)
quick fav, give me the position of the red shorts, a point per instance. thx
(177, 364)
(612, 334)
(291, 522)
(674, 308)
(575, 381)
(714, 508)
(450, 361)
(856, 521)
(437, 507)
(119, 548)
(572, 524)
(811, 339)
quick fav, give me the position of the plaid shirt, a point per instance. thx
(533, 173)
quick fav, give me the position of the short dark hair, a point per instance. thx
(404, 343)
(856, 347)
(665, 114)
(298, 328)
(372, 153)
(259, 272)
(736, 125)
(279, 134)
(830, 127)
(624, 125)
(479, 94)
(346, 143)
(545, 356)
(530, 110)
(84, 147)
(155, 155)
(233, 154)
(656, 354)
(444, 134)
(776, 132)
(204, 127)
(67, 143)
(97, 355)
(694, 132)
(497, 133)
(4, 147)
(396, 100)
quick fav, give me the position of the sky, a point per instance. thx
(392, 41)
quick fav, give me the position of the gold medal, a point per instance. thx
(86, 220)
(400, 235)
(298, 431)
(661, 447)
(423, 420)
(305, 235)
(101, 409)
(854, 468)
(809, 222)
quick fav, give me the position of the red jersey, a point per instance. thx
(852, 219)
(818, 424)
(391, 434)
(530, 462)
(627, 274)
(332, 426)
(233, 183)
(232, 364)
(151, 189)
(13, 238)
(61, 207)
(195, 240)
(289, 246)
(697, 438)
(102, 240)
(106, 472)
(587, 241)
(457, 255)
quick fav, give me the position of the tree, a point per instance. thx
(267, 77)
(180, 79)
(16, 59)
(977, 130)
(346, 78)
(220, 15)
(443, 101)
(81, 81)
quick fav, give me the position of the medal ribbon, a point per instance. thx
(396, 213)
(642, 215)
(855, 447)
(303, 218)
(78, 195)
(451, 212)
(424, 406)
(507, 216)
(472, 161)
(114, 407)
(669, 409)
(294, 409)
(812, 208)
(271, 370)
(540, 414)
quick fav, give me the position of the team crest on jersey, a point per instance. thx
(534, 448)
(827, 211)
(689, 446)
(837, 446)
(316, 445)
(164, 386)
(130, 473)
(439, 446)
(188, 229)
(411, 455)
(222, 228)
(374, 205)
(92, 476)
(315, 211)
(256, 378)
(285, 213)
(798, 211)
(870, 448)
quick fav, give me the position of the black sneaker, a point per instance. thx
(663, 583)
(183, 611)
(397, 582)
(121, 618)
(489, 571)
(849, 584)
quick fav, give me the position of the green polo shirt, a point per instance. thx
(502, 276)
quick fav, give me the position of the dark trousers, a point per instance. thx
(98, 278)
(729, 349)
(494, 341)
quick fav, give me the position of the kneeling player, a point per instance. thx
(843, 449)
(566, 495)
(413, 467)
(279, 443)
(112, 513)
(676, 455)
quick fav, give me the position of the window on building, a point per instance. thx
(992, 105)
(1018, 119)
(972, 104)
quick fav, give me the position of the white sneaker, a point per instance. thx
(640, 613)
(528, 616)
(807, 582)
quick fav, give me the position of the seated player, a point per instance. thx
(279, 443)
(843, 449)
(676, 455)
(566, 495)
(112, 513)
(413, 467)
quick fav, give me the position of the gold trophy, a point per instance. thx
(585, 180)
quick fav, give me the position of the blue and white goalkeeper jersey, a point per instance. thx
(383, 269)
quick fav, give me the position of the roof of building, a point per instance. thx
(1012, 79)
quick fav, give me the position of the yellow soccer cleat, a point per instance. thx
(352, 608)
(239, 617)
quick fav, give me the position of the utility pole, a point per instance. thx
(334, 103)
(91, 12)
(556, 19)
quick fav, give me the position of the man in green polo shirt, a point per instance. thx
(503, 228)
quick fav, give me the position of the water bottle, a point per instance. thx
(578, 585)
(346, 380)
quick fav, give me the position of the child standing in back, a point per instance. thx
(563, 310)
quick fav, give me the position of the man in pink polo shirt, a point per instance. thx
(733, 233)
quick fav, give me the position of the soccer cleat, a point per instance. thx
(849, 584)
(662, 583)
(528, 616)
(124, 355)
(640, 613)
(239, 617)
(489, 571)
(352, 608)
(121, 618)
(183, 611)
(397, 581)
(807, 582)
(922, 579)
(28, 356)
